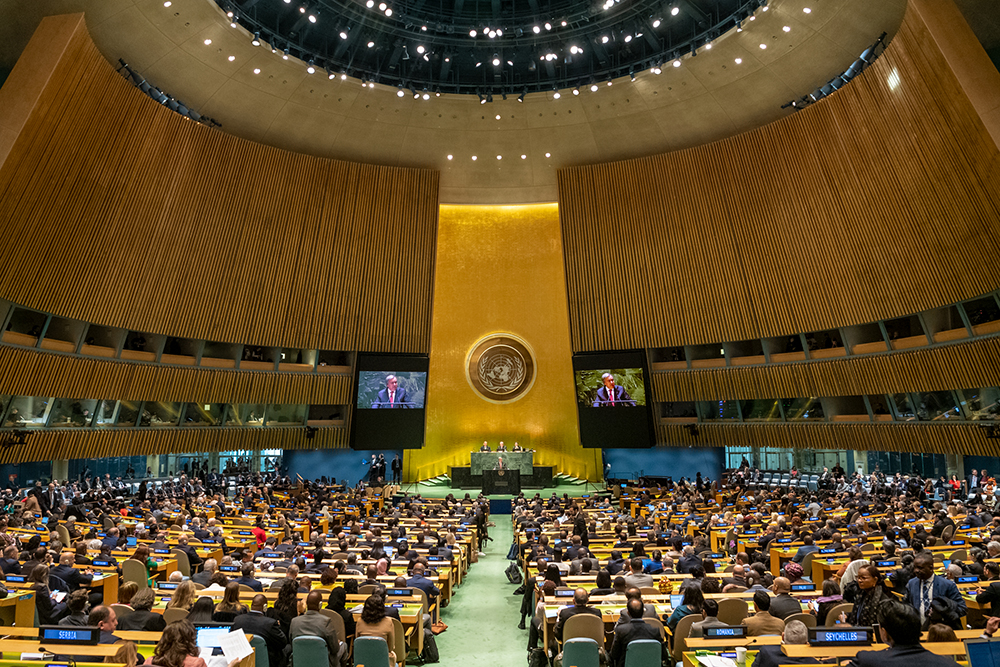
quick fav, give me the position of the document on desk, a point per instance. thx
(235, 645)
(716, 661)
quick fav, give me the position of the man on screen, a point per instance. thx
(393, 396)
(612, 395)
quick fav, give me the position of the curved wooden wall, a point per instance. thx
(874, 203)
(917, 438)
(30, 373)
(955, 366)
(63, 444)
(118, 211)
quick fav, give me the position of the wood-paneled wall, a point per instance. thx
(956, 366)
(116, 210)
(876, 202)
(91, 443)
(31, 373)
(914, 438)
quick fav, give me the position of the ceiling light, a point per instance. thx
(524, 157)
(656, 69)
(388, 12)
(370, 4)
(473, 33)
(563, 24)
(256, 39)
(499, 32)
(548, 155)
(284, 55)
(232, 24)
(423, 28)
(498, 116)
(628, 38)
(556, 95)
(520, 98)
(807, 10)
(343, 77)
(426, 95)
(492, 33)
(312, 18)
(232, 58)
(763, 46)
(499, 157)
(675, 11)
(739, 61)
(536, 29)
(708, 46)
(371, 44)
(604, 39)
(256, 70)
(496, 60)
(474, 158)
(593, 87)
(207, 42)
(450, 156)
(400, 93)
(421, 49)
(576, 91)
(343, 34)
(610, 82)
(330, 75)
(311, 68)
(656, 23)
(677, 63)
(382, 6)
(787, 28)
(548, 26)
(167, 3)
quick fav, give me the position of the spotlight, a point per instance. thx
(593, 87)
(421, 49)
(371, 44)
(556, 95)
(343, 34)
(628, 38)
(576, 91)
(677, 63)
(489, 98)
(604, 39)
(256, 39)
(656, 23)
(520, 98)
(610, 82)
(482, 100)
(400, 93)
(548, 26)
(312, 18)
(382, 6)
(311, 68)
(496, 60)
(473, 33)
(631, 74)
(675, 11)
(284, 55)
(536, 29)
(388, 12)
(426, 95)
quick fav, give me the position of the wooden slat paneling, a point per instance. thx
(965, 439)
(120, 212)
(874, 203)
(51, 445)
(958, 366)
(31, 373)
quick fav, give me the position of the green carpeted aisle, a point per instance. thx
(482, 617)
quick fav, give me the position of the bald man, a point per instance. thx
(314, 624)
(783, 605)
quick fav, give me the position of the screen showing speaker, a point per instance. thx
(612, 397)
(388, 405)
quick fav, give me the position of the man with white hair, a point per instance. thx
(772, 656)
(688, 560)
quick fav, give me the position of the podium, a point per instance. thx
(502, 481)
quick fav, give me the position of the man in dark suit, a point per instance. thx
(314, 624)
(106, 620)
(783, 604)
(795, 632)
(393, 396)
(9, 564)
(418, 580)
(900, 629)
(688, 560)
(194, 560)
(974, 480)
(485, 447)
(75, 578)
(205, 576)
(625, 633)
(925, 586)
(580, 606)
(612, 395)
(142, 619)
(256, 623)
(246, 578)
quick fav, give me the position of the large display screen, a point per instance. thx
(389, 398)
(611, 395)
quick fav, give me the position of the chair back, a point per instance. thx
(650, 590)
(367, 589)
(947, 533)
(400, 648)
(658, 624)
(310, 650)
(108, 522)
(584, 625)
(64, 537)
(260, 656)
(808, 619)
(643, 653)
(183, 562)
(834, 614)
(681, 631)
(338, 622)
(122, 610)
(581, 652)
(959, 554)
(368, 652)
(174, 614)
(807, 566)
(246, 589)
(134, 571)
(732, 611)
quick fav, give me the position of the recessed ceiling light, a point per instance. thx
(593, 88)
(739, 61)
(474, 158)
(548, 155)
(763, 46)
(556, 95)
(207, 42)
(787, 28)
(256, 70)
(708, 47)
(524, 157)
(498, 116)
(450, 156)
(677, 63)
(807, 10)
(232, 58)
(371, 44)
(167, 3)
(499, 157)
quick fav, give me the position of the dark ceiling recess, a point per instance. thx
(486, 47)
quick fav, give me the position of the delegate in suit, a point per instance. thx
(612, 395)
(393, 396)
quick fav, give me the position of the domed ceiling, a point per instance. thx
(708, 70)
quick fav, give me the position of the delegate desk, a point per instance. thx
(483, 461)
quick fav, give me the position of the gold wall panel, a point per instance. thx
(500, 270)
(99, 443)
(955, 366)
(966, 439)
(878, 201)
(31, 373)
(121, 212)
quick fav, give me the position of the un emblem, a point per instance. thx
(500, 368)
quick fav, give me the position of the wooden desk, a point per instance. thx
(805, 651)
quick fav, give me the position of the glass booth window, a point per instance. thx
(714, 410)
(203, 414)
(248, 414)
(286, 415)
(28, 411)
(128, 413)
(904, 407)
(160, 413)
(72, 412)
(765, 409)
(982, 310)
(937, 405)
(106, 411)
(800, 409)
(981, 404)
